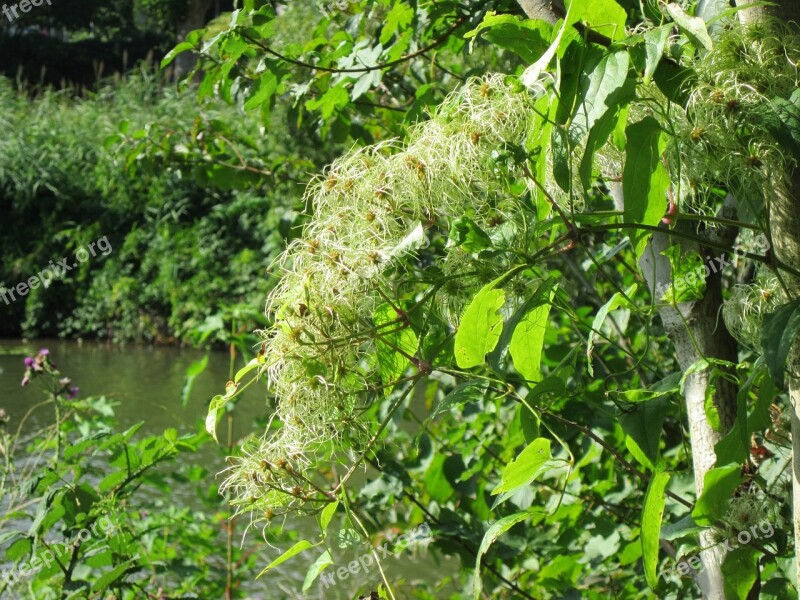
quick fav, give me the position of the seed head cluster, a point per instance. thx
(721, 139)
(370, 211)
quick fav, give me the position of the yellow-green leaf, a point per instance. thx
(652, 515)
(480, 327)
(527, 342)
(521, 471)
(291, 552)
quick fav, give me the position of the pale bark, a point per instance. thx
(786, 10)
(697, 332)
(545, 10)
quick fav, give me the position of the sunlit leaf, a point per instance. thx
(652, 515)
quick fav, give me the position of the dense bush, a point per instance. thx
(73, 171)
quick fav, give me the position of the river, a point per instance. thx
(146, 382)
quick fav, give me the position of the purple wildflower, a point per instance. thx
(44, 352)
(73, 392)
(28, 361)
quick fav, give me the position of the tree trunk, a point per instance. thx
(697, 332)
(545, 10)
(195, 18)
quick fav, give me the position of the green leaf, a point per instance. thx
(613, 303)
(529, 423)
(495, 531)
(673, 81)
(527, 342)
(604, 127)
(652, 515)
(735, 446)
(19, 548)
(642, 427)
(562, 171)
(681, 528)
(326, 515)
(645, 179)
(527, 38)
(531, 75)
(694, 27)
(323, 561)
(192, 372)
(112, 480)
(740, 571)
(712, 413)
(604, 89)
(543, 294)
(604, 16)
(521, 471)
(333, 99)
(778, 333)
(655, 40)
(469, 391)
(465, 233)
(718, 487)
(480, 327)
(182, 47)
(106, 579)
(265, 88)
(253, 364)
(290, 553)
(688, 276)
(395, 343)
(400, 16)
(217, 402)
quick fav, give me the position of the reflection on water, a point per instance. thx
(146, 384)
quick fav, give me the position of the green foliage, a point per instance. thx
(191, 233)
(88, 511)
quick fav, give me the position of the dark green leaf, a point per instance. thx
(643, 428)
(719, 485)
(645, 179)
(529, 39)
(740, 571)
(495, 531)
(778, 333)
(466, 234)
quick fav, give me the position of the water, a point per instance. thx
(146, 384)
